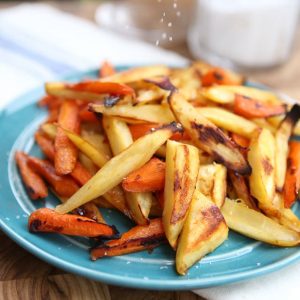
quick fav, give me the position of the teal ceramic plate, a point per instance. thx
(239, 258)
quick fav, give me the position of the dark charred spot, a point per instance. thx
(35, 225)
(57, 228)
(30, 190)
(164, 84)
(154, 240)
(176, 182)
(137, 177)
(80, 211)
(289, 162)
(293, 115)
(208, 133)
(218, 76)
(111, 101)
(173, 126)
(268, 168)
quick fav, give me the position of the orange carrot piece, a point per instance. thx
(35, 185)
(99, 87)
(79, 173)
(64, 186)
(47, 220)
(139, 130)
(139, 238)
(87, 116)
(251, 108)
(240, 140)
(65, 151)
(160, 197)
(53, 115)
(292, 178)
(107, 69)
(91, 211)
(220, 76)
(45, 101)
(148, 178)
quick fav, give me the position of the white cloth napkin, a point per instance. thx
(39, 43)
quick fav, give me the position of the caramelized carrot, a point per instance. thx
(251, 108)
(45, 101)
(64, 186)
(148, 178)
(142, 237)
(35, 185)
(292, 178)
(99, 87)
(240, 140)
(87, 116)
(53, 114)
(47, 220)
(91, 211)
(160, 197)
(79, 173)
(139, 130)
(65, 151)
(106, 69)
(220, 76)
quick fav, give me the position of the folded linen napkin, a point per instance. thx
(39, 43)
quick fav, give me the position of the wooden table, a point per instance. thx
(23, 276)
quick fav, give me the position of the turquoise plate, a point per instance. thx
(239, 258)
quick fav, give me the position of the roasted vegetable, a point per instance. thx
(204, 230)
(138, 238)
(282, 137)
(207, 136)
(182, 165)
(47, 220)
(256, 225)
(221, 76)
(112, 173)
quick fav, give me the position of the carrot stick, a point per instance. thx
(139, 130)
(292, 178)
(106, 69)
(98, 87)
(240, 140)
(220, 76)
(64, 186)
(65, 151)
(45, 101)
(47, 220)
(149, 178)
(91, 211)
(35, 185)
(160, 197)
(142, 237)
(251, 108)
(79, 173)
(87, 116)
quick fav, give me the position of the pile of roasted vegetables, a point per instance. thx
(185, 153)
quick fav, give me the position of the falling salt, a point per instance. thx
(164, 35)
(178, 13)
(170, 24)
(175, 5)
(163, 267)
(7, 219)
(146, 278)
(17, 217)
(170, 39)
(161, 20)
(164, 14)
(157, 43)
(258, 264)
(129, 262)
(24, 216)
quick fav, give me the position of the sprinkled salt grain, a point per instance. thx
(128, 262)
(163, 267)
(146, 278)
(258, 264)
(7, 219)
(17, 217)
(170, 39)
(170, 24)
(178, 14)
(157, 43)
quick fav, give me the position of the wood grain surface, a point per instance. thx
(23, 276)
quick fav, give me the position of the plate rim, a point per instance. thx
(139, 283)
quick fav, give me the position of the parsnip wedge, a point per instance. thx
(120, 138)
(255, 225)
(261, 157)
(112, 173)
(204, 230)
(211, 182)
(282, 137)
(229, 121)
(182, 165)
(132, 114)
(139, 73)
(208, 136)
(225, 94)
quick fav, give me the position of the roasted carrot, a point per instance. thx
(45, 101)
(292, 178)
(87, 116)
(251, 108)
(64, 186)
(220, 76)
(148, 178)
(139, 130)
(65, 151)
(91, 211)
(53, 115)
(35, 185)
(240, 140)
(160, 198)
(142, 237)
(112, 88)
(79, 173)
(47, 220)
(106, 69)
